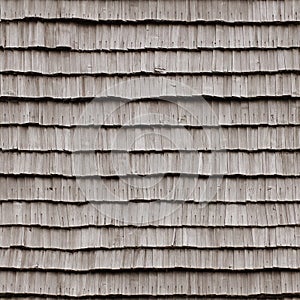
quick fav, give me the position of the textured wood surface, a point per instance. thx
(149, 149)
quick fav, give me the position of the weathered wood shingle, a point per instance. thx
(181, 180)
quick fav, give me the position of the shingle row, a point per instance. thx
(180, 112)
(34, 138)
(124, 237)
(282, 163)
(125, 259)
(235, 189)
(152, 62)
(136, 87)
(155, 213)
(24, 34)
(161, 10)
(144, 283)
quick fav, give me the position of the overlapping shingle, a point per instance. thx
(176, 232)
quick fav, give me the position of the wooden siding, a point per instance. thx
(206, 205)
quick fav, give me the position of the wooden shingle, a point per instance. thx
(149, 149)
